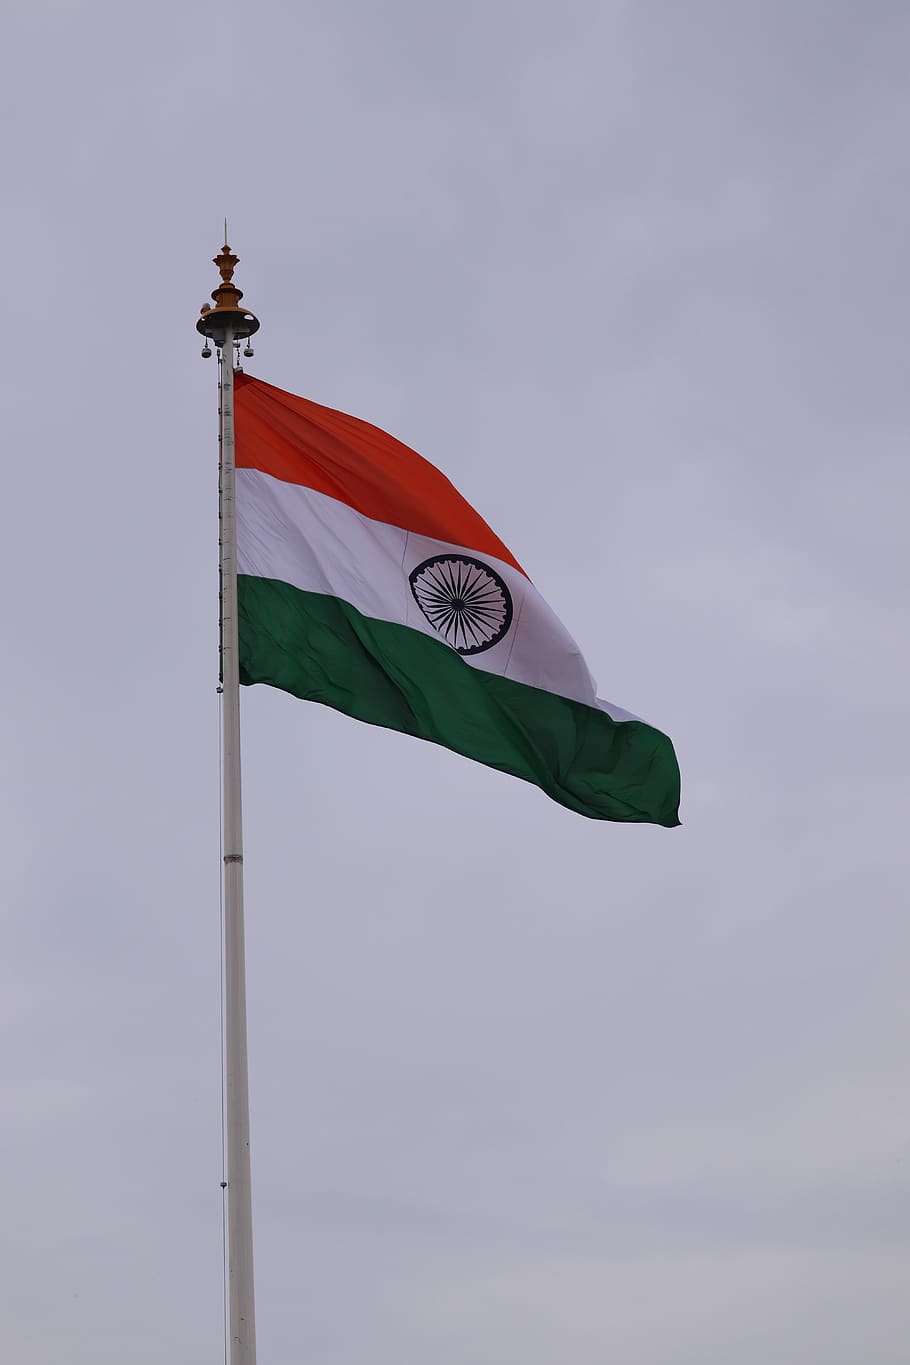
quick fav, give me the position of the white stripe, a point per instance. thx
(318, 544)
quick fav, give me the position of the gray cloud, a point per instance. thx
(634, 276)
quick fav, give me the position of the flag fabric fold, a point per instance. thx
(366, 582)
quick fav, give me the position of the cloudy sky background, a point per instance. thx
(525, 1087)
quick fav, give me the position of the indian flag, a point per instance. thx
(367, 583)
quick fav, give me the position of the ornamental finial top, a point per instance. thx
(228, 310)
(227, 295)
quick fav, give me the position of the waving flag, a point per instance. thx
(366, 582)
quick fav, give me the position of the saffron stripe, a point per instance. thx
(302, 442)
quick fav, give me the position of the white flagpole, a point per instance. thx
(224, 324)
(237, 1117)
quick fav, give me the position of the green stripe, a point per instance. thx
(320, 648)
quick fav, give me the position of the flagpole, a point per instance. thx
(226, 324)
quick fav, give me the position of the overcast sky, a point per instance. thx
(526, 1088)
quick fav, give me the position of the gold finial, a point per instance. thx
(227, 295)
(228, 309)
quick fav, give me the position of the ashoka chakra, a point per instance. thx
(465, 601)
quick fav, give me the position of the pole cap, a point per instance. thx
(227, 312)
